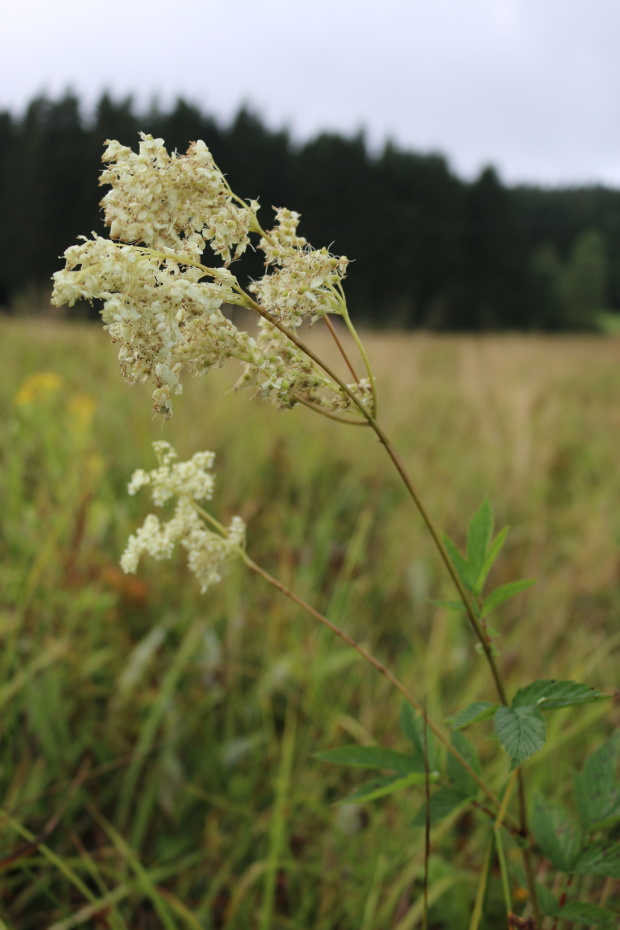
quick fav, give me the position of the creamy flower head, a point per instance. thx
(173, 201)
(189, 483)
(164, 316)
(163, 306)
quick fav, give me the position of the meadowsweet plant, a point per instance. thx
(163, 277)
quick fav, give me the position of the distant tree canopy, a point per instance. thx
(429, 249)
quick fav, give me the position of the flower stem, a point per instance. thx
(372, 660)
(341, 348)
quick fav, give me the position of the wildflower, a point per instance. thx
(189, 482)
(165, 318)
(302, 281)
(37, 387)
(163, 307)
(173, 201)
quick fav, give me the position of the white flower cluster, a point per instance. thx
(303, 284)
(173, 201)
(165, 319)
(163, 307)
(188, 482)
(280, 371)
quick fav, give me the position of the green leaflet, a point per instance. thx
(521, 731)
(460, 564)
(479, 533)
(504, 593)
(552, 695)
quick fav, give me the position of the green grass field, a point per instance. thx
(157, 761)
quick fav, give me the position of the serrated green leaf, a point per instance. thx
(473, 713)
(413, 728)
(504, 593)
(557, 834)
(460, 564)
(553, 695)
(582, 912)
(521, 731)
(597, 792)
(449, 605)
(461, 780)
(382, 787)
(492, 554)
(371, 757)
(443, 803)
(479, 533)
(601, 858)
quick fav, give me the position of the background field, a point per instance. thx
(162, 741)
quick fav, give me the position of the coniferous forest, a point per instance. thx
(430, 250)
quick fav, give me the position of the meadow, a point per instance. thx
(157, 765)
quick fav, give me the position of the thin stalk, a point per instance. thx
(341, 348)
(436, 537)
(499, 846)
(365, 359)
(372, 660)
(476, 915)
(525, 852)
(330, 416)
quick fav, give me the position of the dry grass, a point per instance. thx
(182, 759)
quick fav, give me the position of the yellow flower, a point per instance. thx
(37, 387)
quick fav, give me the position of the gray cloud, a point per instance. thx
(529, 85)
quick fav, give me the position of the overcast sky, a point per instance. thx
(531, 86)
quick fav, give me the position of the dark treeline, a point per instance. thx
(430, 249)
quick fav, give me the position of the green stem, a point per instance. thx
(497, 826)
(330, 416)
(365, 359)
(341, 348)
(372, 660)
(436, 537)
(432, 529)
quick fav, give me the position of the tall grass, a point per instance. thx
(157, 766)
